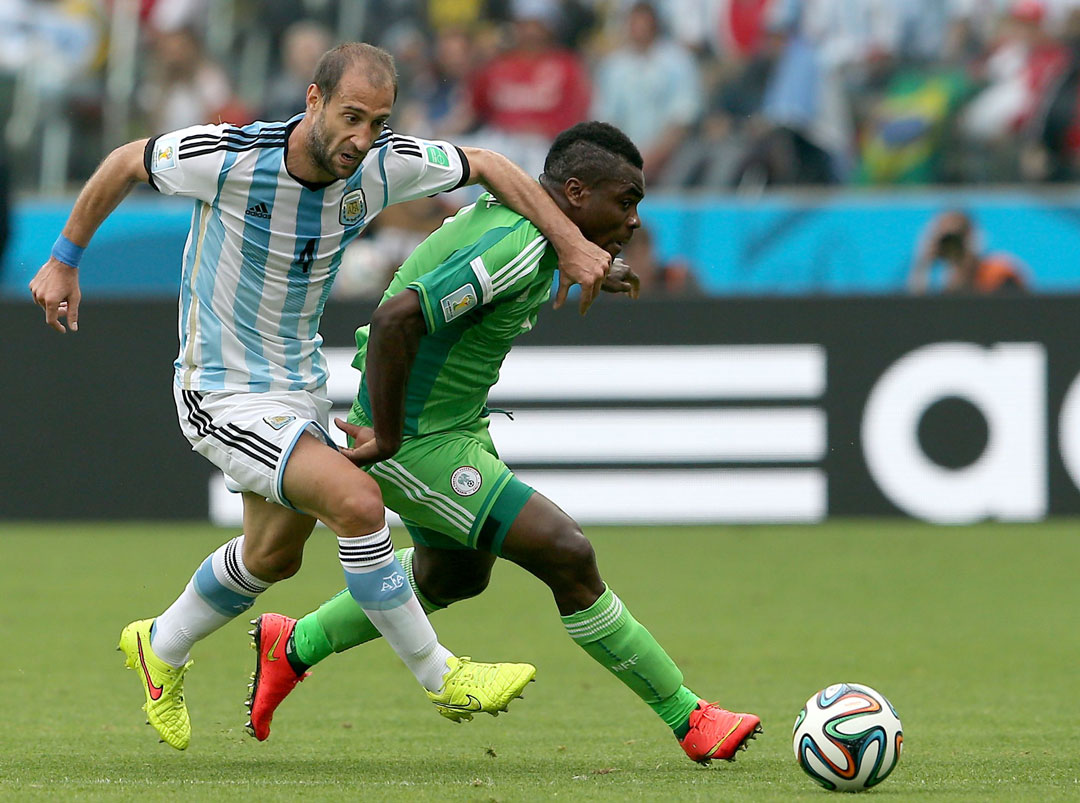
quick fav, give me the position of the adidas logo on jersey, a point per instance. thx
(258, 210)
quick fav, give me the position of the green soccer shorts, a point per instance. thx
(451, 489)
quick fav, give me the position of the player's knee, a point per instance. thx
(472, 586)
(571, 554)
(570, 570)
(446, 585)
(357, 513)
(445, 588)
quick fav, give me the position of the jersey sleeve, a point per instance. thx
(501, 264)
(417, 168)
(188, 162)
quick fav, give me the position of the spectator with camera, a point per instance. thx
(953, 240)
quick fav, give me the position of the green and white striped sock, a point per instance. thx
(617, 641)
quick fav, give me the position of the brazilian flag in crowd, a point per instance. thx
(906, 131)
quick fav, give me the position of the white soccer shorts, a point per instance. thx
(250, 436)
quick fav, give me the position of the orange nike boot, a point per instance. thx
(716, 732)
(274, 676)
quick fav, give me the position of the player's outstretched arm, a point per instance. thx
(580, 261)
(396, 329)
(55, 288)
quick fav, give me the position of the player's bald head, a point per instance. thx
(374, 63)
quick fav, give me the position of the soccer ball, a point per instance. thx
(848, 737)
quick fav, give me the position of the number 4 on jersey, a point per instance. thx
(307, 256)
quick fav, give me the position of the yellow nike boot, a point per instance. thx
(471, 687)
(163, 684)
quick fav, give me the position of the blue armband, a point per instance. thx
(65, 251)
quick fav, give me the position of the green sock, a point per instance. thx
(340, 624)
(615, 639)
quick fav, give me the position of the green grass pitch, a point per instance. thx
(973, 633)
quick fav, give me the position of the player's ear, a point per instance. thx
(576, 191)
(314, 97)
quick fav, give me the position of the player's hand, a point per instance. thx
(587, 266)
(622, 279)
(365, 448)
(55, 289)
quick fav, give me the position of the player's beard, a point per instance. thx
(318, 147)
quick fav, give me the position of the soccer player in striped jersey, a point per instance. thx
(275, 204)
(419, 426)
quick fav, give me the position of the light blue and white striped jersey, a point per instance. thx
(264, 248)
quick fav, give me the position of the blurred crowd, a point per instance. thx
(718, 94)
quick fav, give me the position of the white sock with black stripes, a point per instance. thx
(217, 593)
(378, 584)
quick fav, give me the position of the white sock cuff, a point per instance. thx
(229, 568)
(366, 552)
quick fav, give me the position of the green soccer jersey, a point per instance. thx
(481, 277)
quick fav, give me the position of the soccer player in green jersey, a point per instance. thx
(419, 427)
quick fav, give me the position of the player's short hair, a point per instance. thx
(379, 66)
(591, 152)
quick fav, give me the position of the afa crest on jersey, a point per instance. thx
(278, 421)
(353, 207)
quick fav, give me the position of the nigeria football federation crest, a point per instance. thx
(353, 207)
(466, 481)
